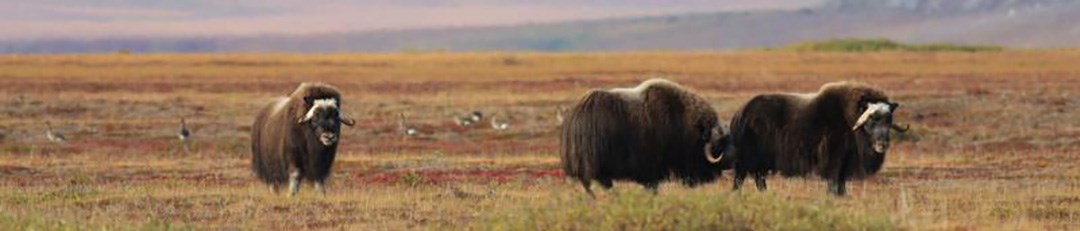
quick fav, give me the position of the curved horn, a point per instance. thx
(870, 110)
(898, 128)
(708, 155)
(307, 117)
(304, 120)
(345, 120)
(714, 136)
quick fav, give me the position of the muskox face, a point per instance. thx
(324, 119)
(874, 123)
(717, 143)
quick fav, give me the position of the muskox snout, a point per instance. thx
(328, 138)
(881, 147)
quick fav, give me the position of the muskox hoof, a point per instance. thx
(737, 183)
(321, 188)
(837, 189)
(652, 187)
(759, 180)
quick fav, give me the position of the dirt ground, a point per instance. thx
(995, 140)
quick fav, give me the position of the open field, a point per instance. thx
(995, 140)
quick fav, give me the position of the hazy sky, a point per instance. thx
(34, 19)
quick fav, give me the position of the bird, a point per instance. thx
(405, 128)
(498, 124)
(468, 120)
(184, 134)
(55, 137)
(559, 110)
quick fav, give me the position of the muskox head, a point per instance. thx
(324, 119)
(873, 125)
(717, 143)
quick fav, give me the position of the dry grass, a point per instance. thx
(995, 141)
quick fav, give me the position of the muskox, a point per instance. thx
(839, 133)
(644, 134)
(295, 138)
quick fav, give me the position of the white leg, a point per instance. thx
(294, 183)
(320, 187)
(273, 188)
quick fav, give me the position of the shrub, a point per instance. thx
(876, 45)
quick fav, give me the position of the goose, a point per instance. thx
(184, 134)
(55, 137)
(465, 121)
(405, 128)
(498, 124)
(559, 110)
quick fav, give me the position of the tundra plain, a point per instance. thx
(994, 141)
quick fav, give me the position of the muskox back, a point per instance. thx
(643, 134)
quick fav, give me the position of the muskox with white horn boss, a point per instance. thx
(644, 134)
(839, 133)
(295, 138)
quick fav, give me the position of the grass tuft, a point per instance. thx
(640, 210)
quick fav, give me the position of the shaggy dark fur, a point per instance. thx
(797, 135)
(281, 146)
(645, 135)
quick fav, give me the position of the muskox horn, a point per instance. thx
(345, 120)
(870, 110)
(331, 103)
(903, 129)
(709, 147)
(708, 155)
(304, 120)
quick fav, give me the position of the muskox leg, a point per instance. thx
(739, 177)
(273, 188)
(607, 184)
(587, 184)
(320, 186)
(838, 186)
(294, 183)
(653, 187)
(759, 179)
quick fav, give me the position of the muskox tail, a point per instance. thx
(746, 151)
(592, 132)
(739, 129)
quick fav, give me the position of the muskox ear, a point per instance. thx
(863, 103)
(893, 106)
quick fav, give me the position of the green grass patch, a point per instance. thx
(878, 45)
(639, 210)
(39, 222)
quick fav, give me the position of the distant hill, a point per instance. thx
(1009, 23)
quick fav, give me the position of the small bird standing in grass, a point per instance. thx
(53, 136)
(499, 124)
(184, 134)
(559, 110)
(406, 129)
(473, 118)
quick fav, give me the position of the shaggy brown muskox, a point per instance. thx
(839, 133)
(296, 137)
(643, 134)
